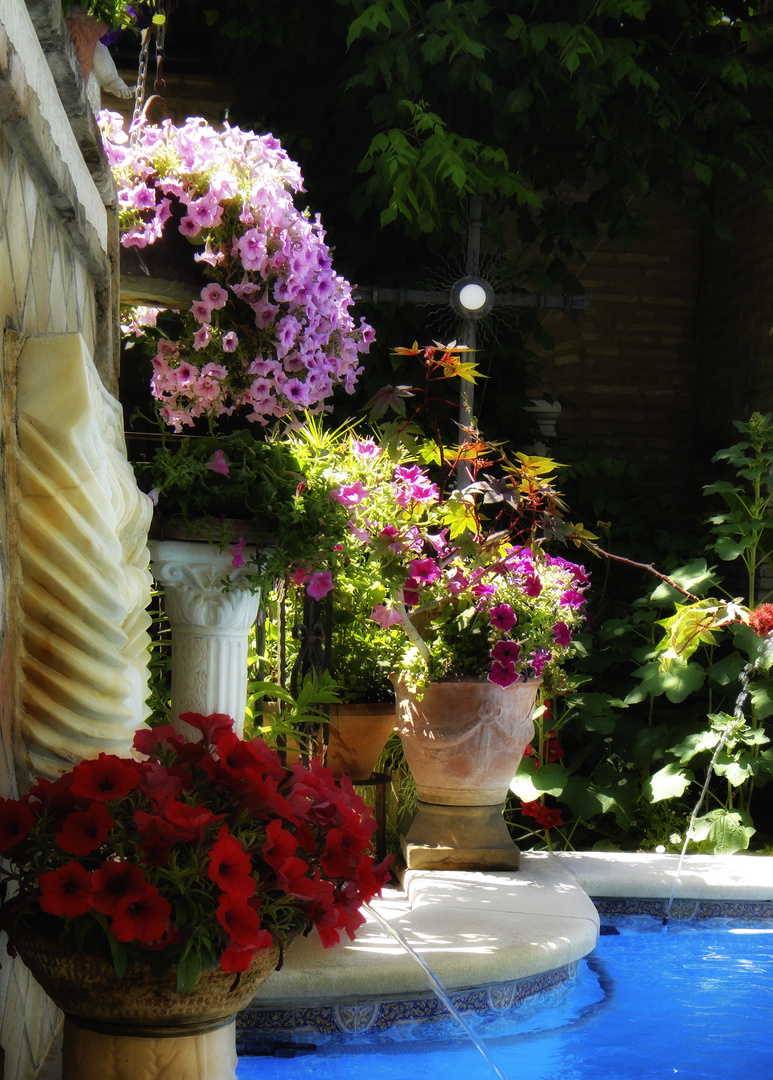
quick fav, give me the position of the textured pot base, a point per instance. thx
(87, 1055)
(459, 838)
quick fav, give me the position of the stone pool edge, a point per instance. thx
(492, 939)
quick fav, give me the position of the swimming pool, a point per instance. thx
(691, 1000)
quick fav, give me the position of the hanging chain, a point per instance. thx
(139, 92)
(161, 9)
(142, 70)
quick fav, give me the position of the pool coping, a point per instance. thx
(492, 939)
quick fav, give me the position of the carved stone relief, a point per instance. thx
(80, 573)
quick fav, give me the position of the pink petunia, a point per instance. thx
(350, 494)
(218, 463)
(214, 295)
(506, 652)
(237, 552)
(425, 571)
(572, 598)
(230, 341)
(503, 675)
(366, 448)
(562, 635)
(385, 616)
(502, 617)
(538, 659)
(320, 584)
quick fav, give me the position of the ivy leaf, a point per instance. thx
(677, 681)
(723, 832)
(694, 744)
(389, 397)
(459, 515)
(529, 782)
(588, 800)
(668, 783)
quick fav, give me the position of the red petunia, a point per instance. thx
(212, 727)
(161, 783)
(156, 837)
(187, 822)
(280, 843)
(341, 853)
(239, 919)
(153, 741)
(115, 883)
(66, 891)
(16, 821)
(239, 957)
(230, 866)
(142, 919)
(84, 830)
(104, 778)
(54, 796)
(291, 878)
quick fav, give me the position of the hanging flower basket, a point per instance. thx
(270, 332)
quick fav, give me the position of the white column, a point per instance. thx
(210, 627)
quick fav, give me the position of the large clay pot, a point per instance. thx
(138, 1026)
(357, 735)
(463, 740)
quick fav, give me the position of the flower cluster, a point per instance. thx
(469, 602)
(546, 816)
(271, 333)
(761, 619)
(192, 854)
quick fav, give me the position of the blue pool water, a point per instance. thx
(690, 1001)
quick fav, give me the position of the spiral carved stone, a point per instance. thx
(79, 529)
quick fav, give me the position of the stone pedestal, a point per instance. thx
(88, 1055)
(459, 838)
(210, 628)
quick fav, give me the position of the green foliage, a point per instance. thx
(682, 694)
(263, 493)
(517, 101)
(111, 12)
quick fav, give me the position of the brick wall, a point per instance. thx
(735, 355)
(626, 372)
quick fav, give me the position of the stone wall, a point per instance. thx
(57, 233)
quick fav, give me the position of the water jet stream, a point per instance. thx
(437, 986)
(744, 679)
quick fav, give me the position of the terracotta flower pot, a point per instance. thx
(463, 741)
(358, 734)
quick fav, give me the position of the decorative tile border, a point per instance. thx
(259, 1025)
(684, 908)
